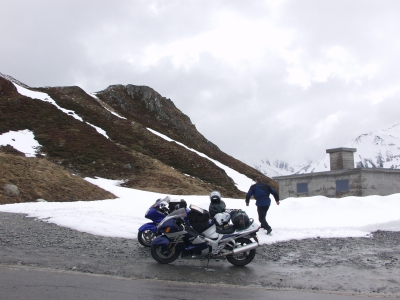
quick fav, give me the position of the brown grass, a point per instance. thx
(38, 178)
(75, 147)
(160, 178)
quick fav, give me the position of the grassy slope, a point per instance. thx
(132, 153)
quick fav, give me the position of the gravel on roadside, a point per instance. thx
(368, 265)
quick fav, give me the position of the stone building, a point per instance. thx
(343, 179)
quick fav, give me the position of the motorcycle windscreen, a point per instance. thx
(179, 213)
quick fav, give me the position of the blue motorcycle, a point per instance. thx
(156, 213)
(191, 234)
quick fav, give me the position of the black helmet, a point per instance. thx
(215, 197)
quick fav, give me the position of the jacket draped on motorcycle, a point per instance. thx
(216, 208)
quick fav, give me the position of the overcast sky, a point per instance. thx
(260, 79)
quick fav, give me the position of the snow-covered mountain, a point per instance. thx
(380, 149)
(112, 134)
(276, 167)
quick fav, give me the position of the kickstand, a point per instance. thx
(208, 261)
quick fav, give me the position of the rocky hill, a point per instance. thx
(67, 123)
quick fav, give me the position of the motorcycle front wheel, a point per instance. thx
(244, 258)
(146, 237)
(164, 254)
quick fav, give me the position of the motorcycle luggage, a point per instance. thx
(240, 219)
(197, 214)
(198, 218)
(174, 205)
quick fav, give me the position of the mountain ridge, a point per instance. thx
(128, 151)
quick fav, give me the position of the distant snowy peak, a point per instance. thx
(385, 137)
(321, 165)
(379, 149)
(275, 168)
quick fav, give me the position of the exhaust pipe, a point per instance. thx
(242, 249)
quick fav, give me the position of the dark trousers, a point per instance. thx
(262, 214)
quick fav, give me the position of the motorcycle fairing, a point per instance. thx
(227, 236)
(148, 226)
(191, 249)
(251, 229)
(153, 214)
(199, 250)
(160, 240)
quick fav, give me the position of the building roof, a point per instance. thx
(337, 172)
(341, 149)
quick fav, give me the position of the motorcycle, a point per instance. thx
(217, 239)
(156, 213)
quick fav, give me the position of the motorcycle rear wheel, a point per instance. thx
(146, 237)
(244, 258)
(164, 254)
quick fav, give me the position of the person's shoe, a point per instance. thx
(269, 231)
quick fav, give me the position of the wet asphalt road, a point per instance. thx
(37, 284)
(353, 266)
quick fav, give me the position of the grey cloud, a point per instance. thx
(98, 43)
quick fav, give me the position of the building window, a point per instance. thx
(342, 185)
(302, 188)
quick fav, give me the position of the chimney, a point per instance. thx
(341, 158)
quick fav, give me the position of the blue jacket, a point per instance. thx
(261, 192)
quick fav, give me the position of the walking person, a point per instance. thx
(261, 192)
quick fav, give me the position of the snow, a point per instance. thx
(378, 149)
(242, 182)
(23, 140)
(97, 98)
(294, 218)
(45, 97)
